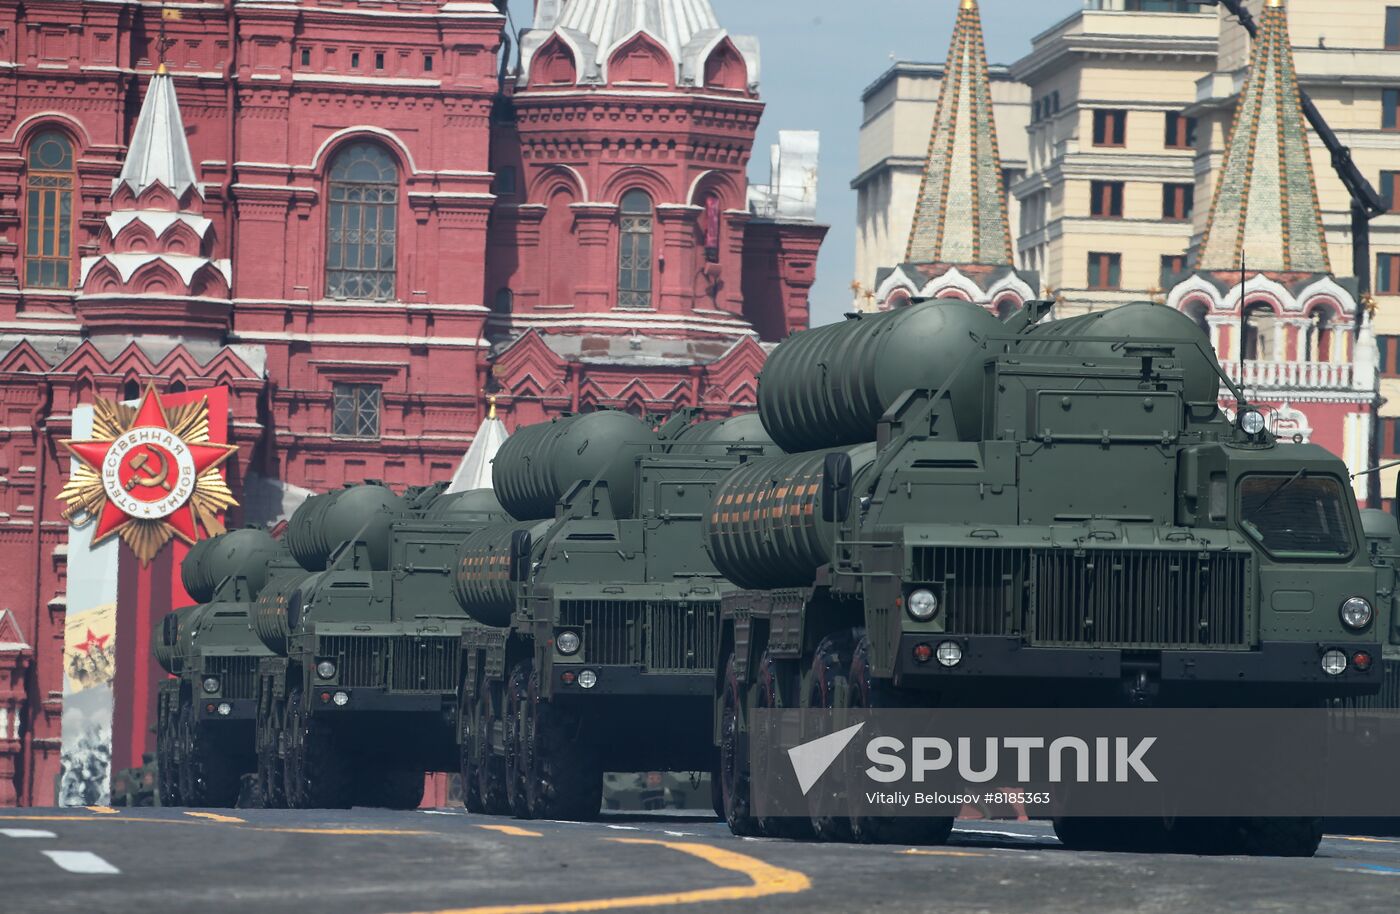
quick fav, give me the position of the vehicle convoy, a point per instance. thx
(598, 610)
(357, 697)
(1031, 514)
(204, 716)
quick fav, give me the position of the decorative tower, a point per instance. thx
(1262, 285)
(622, 269)
(155, 273)
(960, 242)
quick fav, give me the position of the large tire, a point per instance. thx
(827, 689)
(733, 772)
(167, 771)
(868, 692)
(557, 771)
(318, 774)
(490, 768)
(208, 776)
(1297, 836)
(468, 727)
(272, 781)
(771, 692)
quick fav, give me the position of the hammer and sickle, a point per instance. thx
(145, 479)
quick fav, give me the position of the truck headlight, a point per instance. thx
(567, 642)
(211, 684)
(325, 669)
(921, 604)
(1356, 613)
(1251, 421)
(1334, 663)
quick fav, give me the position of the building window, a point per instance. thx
(356, 412)
(306, 57)
(1390, 109)
(354, 60)
(1388, 274)
(1177, 200)
(1181, 131)
(427, 63)
(1110, 127)
(1259, 332)
(1173, 265)
(1388, 190)
(1106, 199)
(379, 60)
(1105, 271)
(634, 253)
(1392, 28)
(362, 224)
(49, 212)
(1390, 355)
(504, 302)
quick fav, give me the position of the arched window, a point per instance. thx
(362, 224)
(1319, 342)
(48, 246)
(634, 253)
(131, 390)
(504, 301)
(1260, 326)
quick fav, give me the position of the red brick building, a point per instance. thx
(363, 218)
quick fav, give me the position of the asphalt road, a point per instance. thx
(364, 860)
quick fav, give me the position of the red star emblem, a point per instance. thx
(148, 472)
(93, 641)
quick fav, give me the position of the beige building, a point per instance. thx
(899, 109)
(1109, 194)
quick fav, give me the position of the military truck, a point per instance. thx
(1030, 514)
(204, 716)
(598, 610)
(136, 786)
(358, 699)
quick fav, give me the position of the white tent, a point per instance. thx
(474, 472)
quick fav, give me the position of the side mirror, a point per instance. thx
(520, 555)
(836, 487)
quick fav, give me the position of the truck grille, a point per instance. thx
(1102, 597)
(402, 663)
(658, 635)
(424, 664)
(238, 675)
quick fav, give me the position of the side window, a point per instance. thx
(362, 224)
(48, 210)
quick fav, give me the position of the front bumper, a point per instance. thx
(630, 680)
(378, 700)
(1273, 663)
(239, 708)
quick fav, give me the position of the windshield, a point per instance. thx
(1296, 516)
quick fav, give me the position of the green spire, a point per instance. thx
(1266, 212)
(960, 216)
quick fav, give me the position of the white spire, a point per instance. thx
(159, 152)
(474, 472)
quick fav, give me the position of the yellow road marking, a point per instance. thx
(101, 810)
(288, 830)
(215, 817)
(512, 830)
(764, 880)
(921, 852)
(1362, 838)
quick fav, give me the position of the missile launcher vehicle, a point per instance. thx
(204, 716)
(1028, 514)
(598, 610)
(357, 699)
